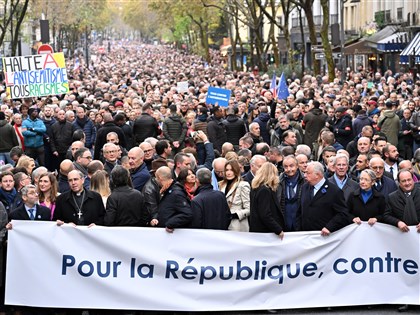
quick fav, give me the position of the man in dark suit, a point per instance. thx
(340, 178)
(403, 207)
(384, 184)
(29, 209)
(322, 205)
(79, 206)
(209, 207)
(255, 164)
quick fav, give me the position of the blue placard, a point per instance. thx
(219, 96)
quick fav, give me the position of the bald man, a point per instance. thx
(138, 169)
(174, 207)
(65, 167)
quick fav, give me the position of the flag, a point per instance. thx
(273, 86)
(76, 64)
(282, 90)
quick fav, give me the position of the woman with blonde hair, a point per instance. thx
(236, 191)
(99, 182)
(27, 163)
(266, 215)
(48, 191)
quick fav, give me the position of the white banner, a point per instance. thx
(204, 270)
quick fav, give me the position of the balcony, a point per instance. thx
(317, 20)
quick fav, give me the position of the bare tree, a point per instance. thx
(11, 9)
(325, 40)
(306, 6)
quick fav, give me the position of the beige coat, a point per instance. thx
(238, 199)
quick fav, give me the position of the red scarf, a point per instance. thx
(19, 134)
(190, 190)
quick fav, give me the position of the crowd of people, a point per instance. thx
(126, 148)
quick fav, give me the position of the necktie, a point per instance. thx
(391, 169)
(31, 216)
(312, 192)
(378, 185)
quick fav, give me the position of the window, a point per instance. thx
(399, 14)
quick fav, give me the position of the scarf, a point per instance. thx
(202, 117)
(9, 195)
(410, 214)
(20, 136)
(291, 183)
(189, 189)
(366, 194)
(82, 122)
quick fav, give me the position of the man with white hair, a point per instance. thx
(340, 178)
(255, 132)
(70, 116)
(256, 162)
(384, 184)
(322, 205)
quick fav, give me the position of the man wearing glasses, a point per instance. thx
(29, 208)
(82, 158)
(110, 152)
(148, 154)
(79, 206)
(384, 184)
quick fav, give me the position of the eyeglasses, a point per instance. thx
(87, 157)
(111, 151)
(147, 151)
(219, 172)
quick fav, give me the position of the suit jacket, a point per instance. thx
(348, 187)
(248, 177)
(20, 213)
(396, 203)
(387, 186)
(326, 209)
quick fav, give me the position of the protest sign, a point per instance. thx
(182, 87)
(35, 75)
(219, 96)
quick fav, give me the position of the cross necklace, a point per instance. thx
(79, 208)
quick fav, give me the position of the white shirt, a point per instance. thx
(394, 169)
(319, 185)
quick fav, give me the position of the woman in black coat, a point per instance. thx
(266, 215)
(366, 203)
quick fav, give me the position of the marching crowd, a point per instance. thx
(127, 147)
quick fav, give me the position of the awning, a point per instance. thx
(412, 49)
(373, 40)
(393, 43)
(357, 48)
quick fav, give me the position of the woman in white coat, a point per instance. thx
(237, 194)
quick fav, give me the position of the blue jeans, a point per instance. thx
(5, 158)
